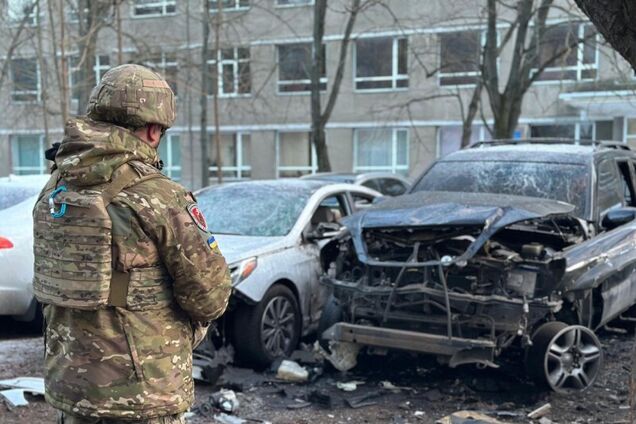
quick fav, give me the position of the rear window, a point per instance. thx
(569, 183)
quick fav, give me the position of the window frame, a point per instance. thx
(240, 166)
(394, 167)
(441, 74)
(98, 69)
(235, 62)
(41, 169)
(312, 168)
(323, 80)
(162, 3)
(38, 89)
(395, 75)
(285, 6)
(236, 8)
(32, 22)
(163, 64)
(580, 66)
(169, 167)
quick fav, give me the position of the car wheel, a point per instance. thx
(331, 314)
(268, 330)
(565, 358)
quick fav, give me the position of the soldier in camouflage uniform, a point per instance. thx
(129, 276)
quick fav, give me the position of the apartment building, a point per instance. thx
(410, 71)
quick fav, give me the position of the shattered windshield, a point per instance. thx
(558, 181)
(253, 209)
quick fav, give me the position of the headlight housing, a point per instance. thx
(243, 270)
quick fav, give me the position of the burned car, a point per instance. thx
(528, 245)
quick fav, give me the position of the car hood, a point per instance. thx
(427, 209)
(435, 208)
(237, 248)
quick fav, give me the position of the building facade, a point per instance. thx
(409, 73)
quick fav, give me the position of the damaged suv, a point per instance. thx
(526, 244)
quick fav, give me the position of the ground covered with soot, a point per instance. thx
(398, 388)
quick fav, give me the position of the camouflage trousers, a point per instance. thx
(64, 418)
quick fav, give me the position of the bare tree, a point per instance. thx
(203, 99)
(319, 118)
(532, 54)
(15, 39)
(616, 21)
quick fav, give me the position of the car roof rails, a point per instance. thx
(596, 144)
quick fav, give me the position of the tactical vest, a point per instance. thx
(73, 244)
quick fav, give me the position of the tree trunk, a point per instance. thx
(217, 127)
(203, 99)
(318, 138)
(616, 21)
(473, 107)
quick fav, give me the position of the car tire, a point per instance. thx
(332, 313)
(268, 330)
(564, 358)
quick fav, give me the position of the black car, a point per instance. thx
(509, 244)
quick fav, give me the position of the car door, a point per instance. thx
(603, 266)
(329, 209)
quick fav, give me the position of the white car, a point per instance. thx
(17, 197)
(270, 233)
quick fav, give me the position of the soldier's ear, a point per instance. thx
(154, 132)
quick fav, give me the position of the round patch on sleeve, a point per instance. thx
(197, 216)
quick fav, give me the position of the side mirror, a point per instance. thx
(321, 231)
(617, 217)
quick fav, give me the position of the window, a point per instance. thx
(569, 52)
(75, 82)
(381, 63)
(235, 154)
(233, 72)
(450, 138)
(630, 132)
(596, 130)
(166, 65)
(25, 74)
(381, 150)
(229, 5)
(18, 10)
(102, 64)
(147, 8)
(460, 57)
(293, 2)
(27, 154)
(170, 154)
(626, 181)
(295, 154)
(294, 68)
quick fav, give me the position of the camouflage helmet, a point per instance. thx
(132, 96)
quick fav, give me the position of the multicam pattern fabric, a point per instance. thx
(132, 96)
(133, 362)
(63, 418)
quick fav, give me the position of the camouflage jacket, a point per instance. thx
(134, 362)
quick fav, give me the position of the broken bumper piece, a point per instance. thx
(460, 350)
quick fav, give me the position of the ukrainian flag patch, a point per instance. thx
(213, 243)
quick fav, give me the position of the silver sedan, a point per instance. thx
(270, 233)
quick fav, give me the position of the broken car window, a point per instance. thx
(565, 182)
(264, 210)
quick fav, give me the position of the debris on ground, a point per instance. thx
(320, 397)
(228, 419)
(540, 412)
(468, 417)
(387, 385)
(363, 400)
(307, 357)
(17, 387)
(343, 356)
(349, 386)
(291, 371)
(226, 400)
